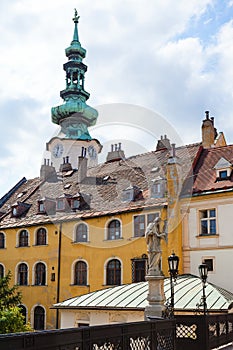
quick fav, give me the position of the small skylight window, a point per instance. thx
(68, 173)
(106, 178)
(155, 169)
(67, 186)
(21, 194)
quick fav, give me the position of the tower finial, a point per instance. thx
(76, 17)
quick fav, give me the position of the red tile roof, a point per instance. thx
(104, 183)
(205, 178)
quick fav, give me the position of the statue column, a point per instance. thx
(155, 277)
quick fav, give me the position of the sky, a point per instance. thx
(154, 68)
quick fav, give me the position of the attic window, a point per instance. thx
(21, 194)
(46, 206)
(223, 174)
(130, 193)
(19, 209)
(106, 178)
(60, 204)
(158, 187)
(41, 207)
(155, 169)
(75, 203)
(67, 186)
(223, 169)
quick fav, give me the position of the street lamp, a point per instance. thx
(173, 263)
(203, 271)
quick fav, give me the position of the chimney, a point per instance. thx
(173, 150)
(82, 165)
(209, 132)
(66, 166)
(163, 143)
(116, 153)
(48, 172)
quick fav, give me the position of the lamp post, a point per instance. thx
(173, 263)
(203, 271)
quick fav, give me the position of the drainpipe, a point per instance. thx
(58, 274)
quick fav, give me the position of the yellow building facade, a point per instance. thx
(81, 225)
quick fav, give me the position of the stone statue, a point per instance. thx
(153, 237)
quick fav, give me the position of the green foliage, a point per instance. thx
(9, 296)
(11, 318)
(12, 321)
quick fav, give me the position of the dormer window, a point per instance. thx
(75, 203)
(41, 207)
(158, 187)
(130, 193)
(46, 206)
(223, 169)
(60, 204)
(19, 209)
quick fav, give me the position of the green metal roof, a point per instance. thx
(187, 294)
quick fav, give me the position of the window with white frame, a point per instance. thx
(23, 238)
(81, 233)
(40, 274)
(141, 222)
(1, 271)
(114, 230)
(80, 273)
(208, 222)
(113, 272)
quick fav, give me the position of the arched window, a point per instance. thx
(113, 272)
(81, 233)
(41, 236)
(39, 318)
(80, 273)
(23, 311)
(22, 274)
(23, 238)
(114, 230)
(1, 271)
(2, 240)
(40, 274)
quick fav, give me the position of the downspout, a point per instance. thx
(58, 273)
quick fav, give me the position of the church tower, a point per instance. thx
(73, 116)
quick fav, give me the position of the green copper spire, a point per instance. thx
(74, 115)
(75, 19)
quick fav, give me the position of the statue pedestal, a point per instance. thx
(156, 296)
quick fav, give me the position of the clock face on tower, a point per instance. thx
(57, 150)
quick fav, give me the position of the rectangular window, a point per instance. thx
(60, 204)
(139, 226)
(208, 222)
(138, 270)
(209, 263)
(41, 207)
(141, 222)
(151, 217)
(223, 174)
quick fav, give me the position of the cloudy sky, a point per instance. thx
(173, 58)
